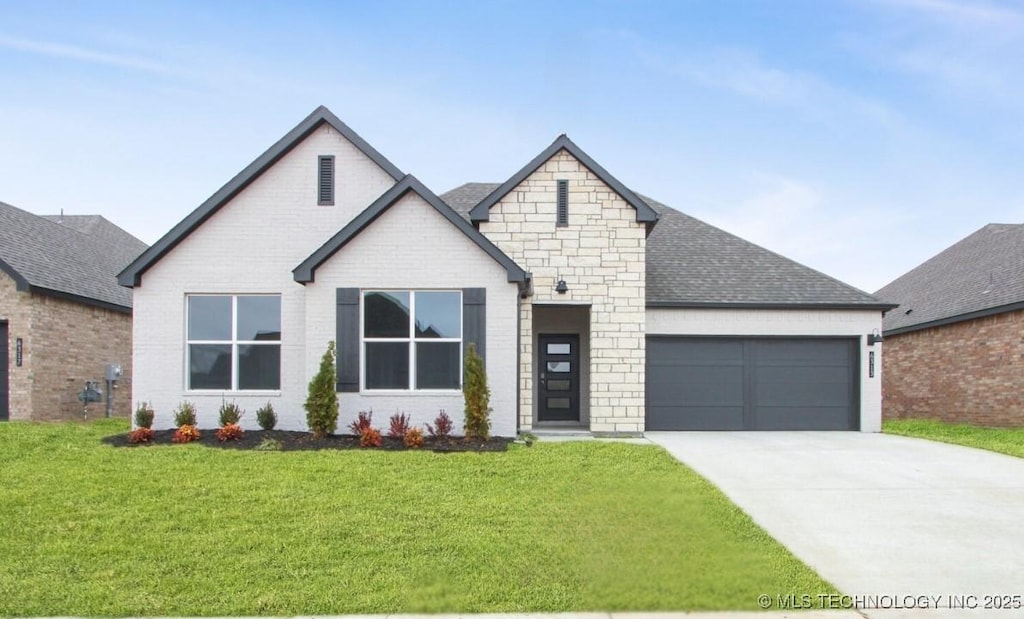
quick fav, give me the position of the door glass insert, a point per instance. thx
(558, 385)
(558, 402)
(558, 366)
(559, 349)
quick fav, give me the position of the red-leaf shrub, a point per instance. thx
(370, 437)
(362, 423)
(399, 425)
(140, 435)
(413, 438)
(185, 434)
(442, 427)
(230, 432)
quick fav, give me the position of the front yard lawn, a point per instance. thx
(89, 529)
(1004, 440)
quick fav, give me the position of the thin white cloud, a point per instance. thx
(961, 13)
(82, 54)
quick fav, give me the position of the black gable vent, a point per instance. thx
(325, 183)
(563, 203)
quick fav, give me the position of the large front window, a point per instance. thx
(234, 342)
(412, 340)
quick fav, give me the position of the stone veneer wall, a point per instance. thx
(601, 257)
(967, 372)
(63, 345)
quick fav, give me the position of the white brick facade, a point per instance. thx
(775, 322)
(600, 255)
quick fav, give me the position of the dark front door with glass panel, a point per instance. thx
(559, 374)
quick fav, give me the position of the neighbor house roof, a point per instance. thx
(132, 276)
(693, 264)
(980, 275)
(481, 210)
(306, 271)
(77, 259)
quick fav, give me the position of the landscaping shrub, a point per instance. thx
(363, 422)
(185, 434)
(266, 417)
(144, 415)
(399, 425)
(268, 444)
(442, 427)
(370, 437)
(229, 432)
(140, 435)
(230, 414)
(477, 395)
(322, 402)
(185, 414)
(413, 438)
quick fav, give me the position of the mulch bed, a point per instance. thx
(304, 441)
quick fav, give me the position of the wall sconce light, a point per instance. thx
(874, 337)
(561, 287)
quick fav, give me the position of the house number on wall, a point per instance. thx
(871, 364)
(17, 352)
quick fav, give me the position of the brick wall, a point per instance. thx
(63, 345)
(968, 372)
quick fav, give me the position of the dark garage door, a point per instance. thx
(751, 384)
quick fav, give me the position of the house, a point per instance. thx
(594, 307)
(63, 317)
(955, 346)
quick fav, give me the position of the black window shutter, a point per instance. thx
(563, 203)
(348, 339)
(474, 324)
(325, 180)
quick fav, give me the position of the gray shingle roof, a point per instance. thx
(79, 258)
(692, 263)
(981, 274)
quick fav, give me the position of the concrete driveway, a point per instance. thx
(878, 515)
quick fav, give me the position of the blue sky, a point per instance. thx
(859, 137)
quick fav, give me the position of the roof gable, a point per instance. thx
(980, 275)
(644, 213)
(306, 272)
(132, 275)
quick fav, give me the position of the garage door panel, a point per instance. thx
(751, 383)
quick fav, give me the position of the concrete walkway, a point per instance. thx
(886, 519)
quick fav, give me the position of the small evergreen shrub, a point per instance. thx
(185, 414)
(230, 414)
(268, 444)
(266, 417)
(364, 420)
(140, 435)
(229, 432)
(185, 434)
(322, 402)
(477, 422)
(442, 427)
(144, 415)
(413, 438)
(370, 437)
(399, 425)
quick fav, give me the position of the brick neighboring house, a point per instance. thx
(954, 348)
(594, 307)
(62, 315)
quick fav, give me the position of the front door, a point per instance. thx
(5, 402)
(559, 378)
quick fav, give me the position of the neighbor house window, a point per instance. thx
(325, 180)
(234, 342)
(412, 340)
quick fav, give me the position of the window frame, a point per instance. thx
(412, 340)
(234, 342)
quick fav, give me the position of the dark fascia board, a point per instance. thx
(644, 213)
(132, 275)
(306, 272)
(942, 322)
(884, 307)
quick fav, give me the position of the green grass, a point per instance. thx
(89, 529)
(1008, 441)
